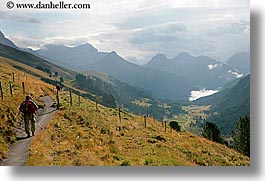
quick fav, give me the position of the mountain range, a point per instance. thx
(104, 88)
(79, 57)
(164, 78)
(161, 78)
(162, 84)
(202, 71)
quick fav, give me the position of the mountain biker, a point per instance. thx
(29, 109)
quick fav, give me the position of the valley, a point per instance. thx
(115, 113)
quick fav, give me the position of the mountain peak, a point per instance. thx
(160, 56)
(6, 41)
(53, 45)
(2, 35)
(113, 53)
(86, 45)
(184, 55)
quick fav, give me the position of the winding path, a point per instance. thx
(19, 151)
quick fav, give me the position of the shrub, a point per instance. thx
(174, 125)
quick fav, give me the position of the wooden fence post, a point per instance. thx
(120, 114)
(165, 126)
(71, 101)
(11, 91)
(58, 99)
(1, 90)
(13, 75)
(96, 105)
(144, 121)
(79, 100)
(23, 87)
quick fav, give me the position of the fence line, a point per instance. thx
(120, 111)
(1, 91)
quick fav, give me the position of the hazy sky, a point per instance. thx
(136, 29)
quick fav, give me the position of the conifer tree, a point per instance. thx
(212, 132)
(241, 135)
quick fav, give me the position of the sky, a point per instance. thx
(137, 30)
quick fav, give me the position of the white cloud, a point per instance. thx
(139, 28)
(214, 66)
(236, 74)
(196, 94)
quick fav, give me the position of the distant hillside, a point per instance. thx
(240, 61)
(202, 71)
(33, 61)
(217, 97)
(229, 105)
(163, 85)
(135, 100)
(5, 41)
(79, 57)
(112, 91)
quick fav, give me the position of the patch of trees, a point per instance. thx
(47, 70)
(228, 115)
(212, 132)
(90, 85)
(50, 81)
(241, 135)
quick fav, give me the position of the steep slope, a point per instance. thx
(130, 98)
(162, 84)
(108, 90)
(33, 61)
(84, 136)
(240, 61)
(79, 57)
(229, 105)
(217, 97)
(202, 71)
(5, 41)
(9, 113)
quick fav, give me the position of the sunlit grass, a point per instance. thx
(9, 113)
(81, 135)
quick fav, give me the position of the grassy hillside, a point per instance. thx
(33, 61)
(84, 136)
(9, 113)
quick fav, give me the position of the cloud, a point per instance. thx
(138, 29)
(169, 38)
(34, 43)
(19, 18)
(236, 74)
(211, 67)
(196, 94)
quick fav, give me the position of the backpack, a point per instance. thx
(28, 108)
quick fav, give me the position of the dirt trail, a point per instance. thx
(18, 152)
